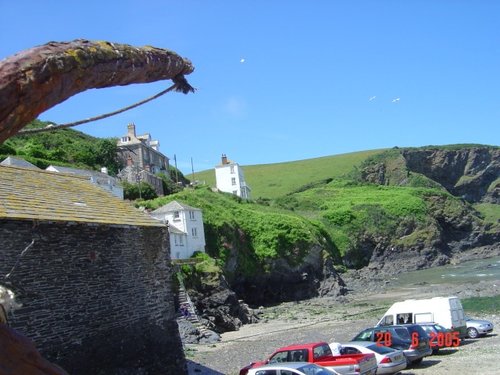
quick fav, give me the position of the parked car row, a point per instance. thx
(383, 349)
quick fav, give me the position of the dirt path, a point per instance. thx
(328, 320)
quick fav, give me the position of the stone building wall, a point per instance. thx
(96, 299)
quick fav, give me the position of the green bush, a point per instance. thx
(142, 190)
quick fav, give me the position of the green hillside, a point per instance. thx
(259, 233)
(274, 180)
(64, 147)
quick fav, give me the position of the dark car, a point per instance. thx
(440, 337)
(410, 338)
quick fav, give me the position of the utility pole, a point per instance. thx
(138, 178)
(192, 170)
(176, 170)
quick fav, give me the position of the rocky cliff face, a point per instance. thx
(313, 276)
(223, 306)
(470, 173)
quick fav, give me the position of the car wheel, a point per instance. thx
(418, 361)
(472, 333)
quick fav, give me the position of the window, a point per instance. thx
(404, 318)
(176, 215)
(403, 333)
(233, 180)
(388, 321)
(180, 241)
(350, 350)
(231, 168)
(194, 232)
(191, 215)
(279, 357)
(125, 139)
(266, 372)
(364, 336)
(175, 240)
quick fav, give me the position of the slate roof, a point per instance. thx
(17, 162)
(80, 172)
(42, 195)
(174, 206)
(99, 177)
(173, 229)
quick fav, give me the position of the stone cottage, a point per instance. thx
(141, 159)
(92, 273)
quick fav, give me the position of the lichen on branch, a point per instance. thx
(39, 78)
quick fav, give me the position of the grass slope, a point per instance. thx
(63, 147)
(258, 232)
(278, 179)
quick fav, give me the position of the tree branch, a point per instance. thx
(39, 78)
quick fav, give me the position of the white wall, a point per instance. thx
(192, 238)
(230, 179)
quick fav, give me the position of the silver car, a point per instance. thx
(293, 368)
(478, 327)
(389, 360)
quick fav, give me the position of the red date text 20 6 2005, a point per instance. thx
(440, 339)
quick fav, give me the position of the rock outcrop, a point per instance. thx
(452, 226)
(470, 173)
(314, 276)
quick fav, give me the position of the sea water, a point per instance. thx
(472, 271)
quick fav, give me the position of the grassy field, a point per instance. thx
(489, 211)
(275, 180)
(481, 305)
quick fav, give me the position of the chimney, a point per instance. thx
(129, 161)
(131, 130)
(224, 159)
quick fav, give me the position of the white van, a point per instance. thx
(447, 311)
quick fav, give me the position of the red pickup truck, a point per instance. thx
(321, 354)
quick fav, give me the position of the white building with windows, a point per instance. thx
(229, 178)
(185, 227)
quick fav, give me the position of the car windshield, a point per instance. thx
(440, 328)
(380, 349)
(420, 330)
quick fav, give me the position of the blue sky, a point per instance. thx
(286, 80)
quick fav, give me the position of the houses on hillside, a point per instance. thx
(230, 178)
(141, 157)
(185, 226)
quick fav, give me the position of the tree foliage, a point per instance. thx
(142, 190)
(64, 147)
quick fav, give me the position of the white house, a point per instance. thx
(230, 178)
(185, 226)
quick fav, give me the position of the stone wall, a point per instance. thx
(96, 299)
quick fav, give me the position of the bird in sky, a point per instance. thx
(371, 98)
(395, 100)
(242, 60)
